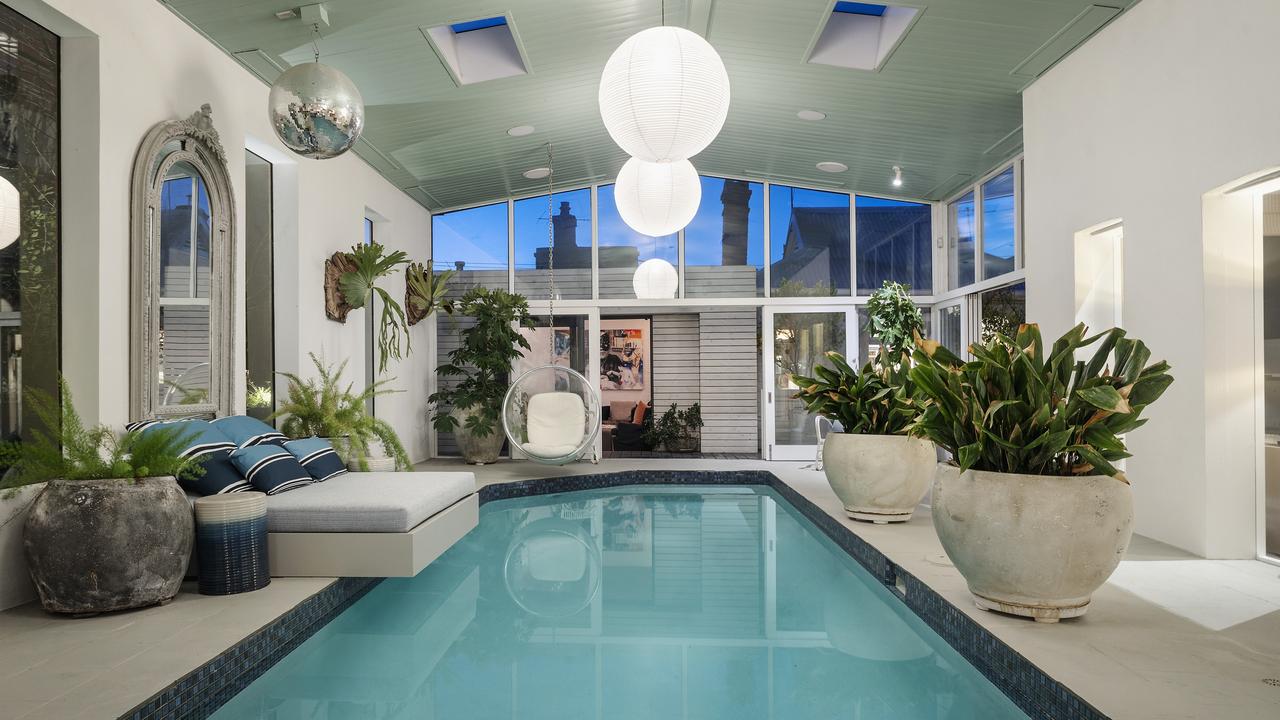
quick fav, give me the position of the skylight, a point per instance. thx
(479, 50)
(459, 28)
(854, 8)
(861, 36)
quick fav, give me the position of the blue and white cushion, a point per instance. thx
(220, 476)
(270, 468)
(247, 432)
(317, 456)
(202, 436)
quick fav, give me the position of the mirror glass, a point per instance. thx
(184, 341)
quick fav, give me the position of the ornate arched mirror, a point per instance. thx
(183, 250)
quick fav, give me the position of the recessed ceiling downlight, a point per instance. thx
(520, 131)
(832, 167)
(811, 115)
(537, 173)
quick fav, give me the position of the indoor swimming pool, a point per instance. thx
(629, 602)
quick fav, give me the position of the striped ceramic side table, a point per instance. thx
(231, 543)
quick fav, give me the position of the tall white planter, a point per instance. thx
(1032, 545)
(879, 478)
(15, 580)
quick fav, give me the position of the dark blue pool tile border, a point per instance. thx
(201, 692)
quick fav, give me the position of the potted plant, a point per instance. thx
(111, 529)
(677, 430)
(471, 407)
(1032, 508)
(879, 472)
(321, 407)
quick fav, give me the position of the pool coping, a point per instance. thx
(201, 692)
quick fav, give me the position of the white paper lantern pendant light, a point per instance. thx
(664, 94)
(657, 199)
(655, 279)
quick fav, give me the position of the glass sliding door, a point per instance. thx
(797, 340)
(259, 299)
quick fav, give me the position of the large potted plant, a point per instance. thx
(471, 407)
(1032, 509)
(879, 472)
(111, 529)
(322, 407)
(677, 430)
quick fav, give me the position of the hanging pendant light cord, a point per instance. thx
(551, 255)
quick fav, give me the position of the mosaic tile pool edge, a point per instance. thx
(1029, 687)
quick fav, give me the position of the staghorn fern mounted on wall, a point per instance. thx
(368, 262)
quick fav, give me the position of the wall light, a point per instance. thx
(897, 176)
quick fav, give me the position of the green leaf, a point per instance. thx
(1104, 397)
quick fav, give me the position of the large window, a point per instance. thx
(259, 299)
(1003, 310)
(30, 337)
(623, 249)
(724, 244)
(474, 243)
(999, 220)
(895, 242)
(808, 242)
(962, 234)
(569, 234)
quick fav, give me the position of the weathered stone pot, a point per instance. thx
(879, 478)
(1032, 545)
(15, 581)
(376, 459)
(476, 450)
(95, 546)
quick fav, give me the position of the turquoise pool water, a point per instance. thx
(635, 602)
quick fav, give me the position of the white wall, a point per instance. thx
(1169, 102)
(129, 64)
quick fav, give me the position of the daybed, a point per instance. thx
(374, 524)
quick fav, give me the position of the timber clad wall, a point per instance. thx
(675, 361)
(729, 380)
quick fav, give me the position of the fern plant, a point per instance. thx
(895, 318)
(425, 291)
(372, 262)
(879, 399)
(65, 447)
(322, 407)
(1017, 408)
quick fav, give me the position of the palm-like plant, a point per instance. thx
(322, 407)
(65, 447)
(372, 262)
(1019, 409)
(877, 400)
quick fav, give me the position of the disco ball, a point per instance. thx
(316, 111)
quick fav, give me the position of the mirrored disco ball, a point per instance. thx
(316, 110)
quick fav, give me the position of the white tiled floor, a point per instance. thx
(1170, 636)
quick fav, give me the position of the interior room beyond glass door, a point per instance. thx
(799, 339)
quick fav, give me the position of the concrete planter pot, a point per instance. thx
(96, 546)
(1032, 545)
(15, 581)
(879, 478)
(476, 450)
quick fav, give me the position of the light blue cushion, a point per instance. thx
(246, 431)
(270, 468)
(202, 436)
(317, 456)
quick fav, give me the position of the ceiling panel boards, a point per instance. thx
(945, 104)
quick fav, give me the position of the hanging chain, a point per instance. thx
(315, 45)
(551, 255)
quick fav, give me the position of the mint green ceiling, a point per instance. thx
(945, 106)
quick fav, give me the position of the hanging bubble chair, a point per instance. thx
(551, 414)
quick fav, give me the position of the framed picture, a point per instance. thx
(622, 360)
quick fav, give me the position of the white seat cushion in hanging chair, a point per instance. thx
(555, 423)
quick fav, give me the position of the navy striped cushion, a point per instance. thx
(247, 432)
(202, 436)
(317, 456)
(270, 468)
(220, 476)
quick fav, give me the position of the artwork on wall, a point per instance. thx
(622, 361)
